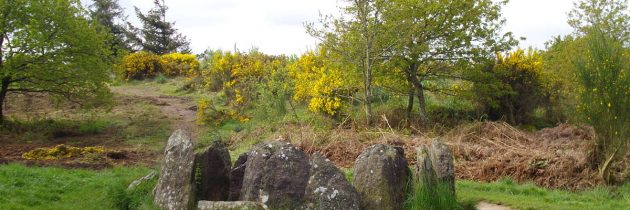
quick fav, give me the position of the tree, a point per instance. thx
(158, 35)
(437, 37)
(359, 39)
(110, 16)
(611, 17)
(48, 46)
(560, 77)
(605, 77)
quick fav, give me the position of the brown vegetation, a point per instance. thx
(485, 151)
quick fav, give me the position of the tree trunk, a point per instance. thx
(368, 84)
(412, 95)
(413, 79)
(5, 81)
(422, 105)
(368, 99)
(3, 93)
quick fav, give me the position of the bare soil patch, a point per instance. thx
(127, 108)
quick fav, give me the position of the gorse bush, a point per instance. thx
(179, 64)
(241, 80)
(142, 65)
(512, 87)
(273, 94)
(319, 82)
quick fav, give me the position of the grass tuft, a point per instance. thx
(424, 196)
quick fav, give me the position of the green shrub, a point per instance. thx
(160, 78)
(605, 99)
(511, 88)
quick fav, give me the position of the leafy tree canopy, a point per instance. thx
(49, 46)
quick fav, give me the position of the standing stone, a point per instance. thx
(213, 177)
(276, 174)
(174, 187)
(381, 175)
(442, 161)
(223, 205)
(425, 174)
(236, 177)
(328, 188)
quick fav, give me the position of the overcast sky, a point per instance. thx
(276, 26)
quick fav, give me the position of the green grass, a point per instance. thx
(440, 196)
(143, 124)
(25, 187)
(94, 126)
(163, 85)
(529, 196)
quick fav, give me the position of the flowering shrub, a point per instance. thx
(140, 65)
(179, 64)
(512, 87)
(318, 82)
(237, 76)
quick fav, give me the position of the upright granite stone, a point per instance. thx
(236, 177)
(213, 177)
(425, 174)
(235, 205)
(276, 174)
(442, 161)
(381, 175)
(328, 188)
(174, 187)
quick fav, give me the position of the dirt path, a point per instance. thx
(180, 110)
(489, 206)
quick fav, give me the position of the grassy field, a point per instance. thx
(25, 187)
(529, 196)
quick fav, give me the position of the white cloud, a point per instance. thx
(537, 20)
(276, 26)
